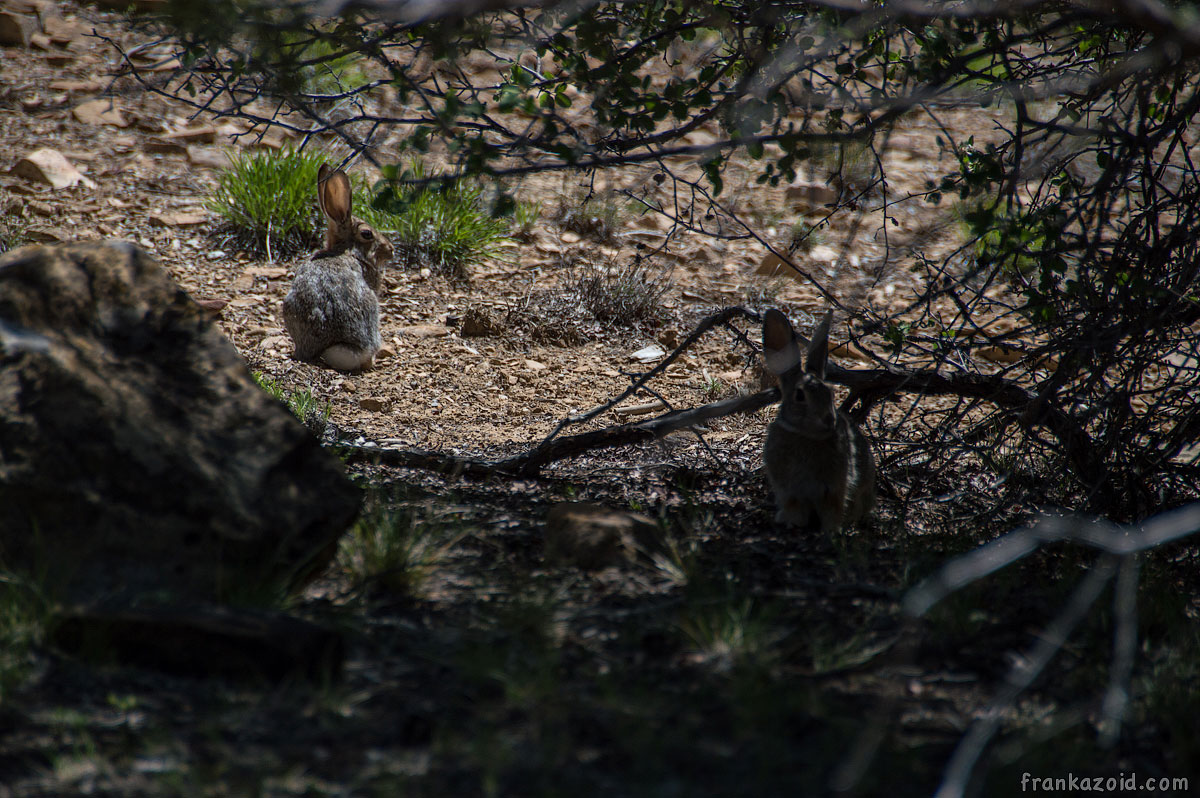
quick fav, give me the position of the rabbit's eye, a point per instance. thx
(365, 234)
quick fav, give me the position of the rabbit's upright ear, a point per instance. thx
(334, 194)
(323, 173)
(780, 350)
(818, 347)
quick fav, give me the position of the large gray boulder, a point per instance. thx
(137, 456)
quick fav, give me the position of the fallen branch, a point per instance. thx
(530, 463)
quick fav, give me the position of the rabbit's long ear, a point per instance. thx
(780, 350)
(323, 173)
(334, 194)
(818, 347)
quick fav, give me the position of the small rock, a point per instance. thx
(164, 146)
(207, 156)
(90, 85)
(590, 536)
(533, 365)
(212, 307)
(669, 337)
(16, 29)
(477, 321)
(61, 31)
(177, 218)
(40, 41)
(49, 235)
(59, 59)
(649, 354)
(50, 167)
(203, 134)
(810, 195)
(771, 265)
(99, 112)
(269, 272)
(274, 342)
(372, 405)
(426, 330)
(570, 237)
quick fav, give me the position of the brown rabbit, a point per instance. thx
(817, 461)
(332, 309)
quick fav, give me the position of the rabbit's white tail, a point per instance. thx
(347, 358)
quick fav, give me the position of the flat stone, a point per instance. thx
(83, 86)
(99, 112)
(810, 195)
(62, 31)
(163, 146)
(426, 330)
(212, 307)
(203, 134)
(207, 156)
(16, 29)
(177, 218)
(52, 168)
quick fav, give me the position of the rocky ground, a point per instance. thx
(746, 661)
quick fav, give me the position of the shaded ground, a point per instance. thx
(748, 661)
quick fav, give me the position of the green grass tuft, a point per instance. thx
(12, 235)
(394, 549)
(597, 217)
(301, 403)
(23, 617)
(442, 225)
(269, 199)
(525, 219)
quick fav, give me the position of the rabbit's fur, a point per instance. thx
(332, 309)
(818, 463)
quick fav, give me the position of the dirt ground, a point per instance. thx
(505, 676)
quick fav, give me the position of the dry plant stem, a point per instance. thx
(1022, 674)
(1124, 648)
(1121, 546)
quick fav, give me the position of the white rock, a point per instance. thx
(50, 167)
(649, 354)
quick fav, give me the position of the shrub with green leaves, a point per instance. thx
(441, 224)
(268, 197)
(320, 69)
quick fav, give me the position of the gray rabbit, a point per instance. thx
(332, 309)
(817, 461)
